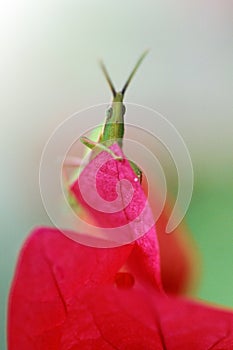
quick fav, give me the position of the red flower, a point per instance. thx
(67, 296)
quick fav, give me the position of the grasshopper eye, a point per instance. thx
(109, 113)
(123, 109)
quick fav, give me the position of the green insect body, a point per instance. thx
(113, 129)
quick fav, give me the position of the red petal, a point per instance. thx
(180, 262)
(193, 326)
(51, 270)
(139, 319)
(64, 298)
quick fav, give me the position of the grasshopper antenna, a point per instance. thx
(102, 66)
(141, 58)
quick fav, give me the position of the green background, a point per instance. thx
(49, 51)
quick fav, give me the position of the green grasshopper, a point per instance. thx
(113, 129)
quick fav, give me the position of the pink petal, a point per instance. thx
(96, 188)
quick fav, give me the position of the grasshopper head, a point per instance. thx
(118, 97)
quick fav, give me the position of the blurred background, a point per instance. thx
(49, 52)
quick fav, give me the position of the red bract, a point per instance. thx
(67, 296)
(179, 258)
